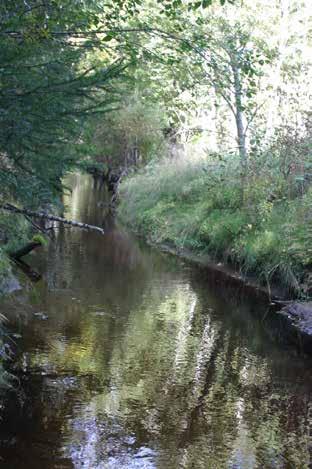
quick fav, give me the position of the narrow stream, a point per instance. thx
(126, 358)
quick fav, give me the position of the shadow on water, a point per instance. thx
(128, 358)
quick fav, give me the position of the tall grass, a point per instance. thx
(196, 204)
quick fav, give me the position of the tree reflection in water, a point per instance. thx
(141, 365)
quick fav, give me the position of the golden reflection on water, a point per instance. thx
(141, 365)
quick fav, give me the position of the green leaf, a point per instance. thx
(108, 37)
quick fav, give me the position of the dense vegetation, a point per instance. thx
(206, 103)
(202, 111)
(235, 178)
(62, 63)
(197, 205)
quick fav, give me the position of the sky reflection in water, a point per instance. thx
(141, 365)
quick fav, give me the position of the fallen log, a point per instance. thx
(29, 271)
(16, 255)
(47, 216)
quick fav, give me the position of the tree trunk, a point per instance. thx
(240, 128)
(241, 137)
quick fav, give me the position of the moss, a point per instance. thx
(39, 238)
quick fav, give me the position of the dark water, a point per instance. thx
(135, 362)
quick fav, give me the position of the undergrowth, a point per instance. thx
(198, 205)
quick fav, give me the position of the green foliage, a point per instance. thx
(130, 136)
(123, 83)
(51, 84)
(171, 7)
(192, 207)
(58, 70)
(39, 238)
(14, 231)
(48, 88)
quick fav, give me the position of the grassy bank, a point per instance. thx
(198, 205)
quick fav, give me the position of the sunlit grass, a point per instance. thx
(197, 204)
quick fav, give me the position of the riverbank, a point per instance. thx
(178, 206)
(294, 317)
(197, 206)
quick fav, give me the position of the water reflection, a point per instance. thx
(140, 365)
